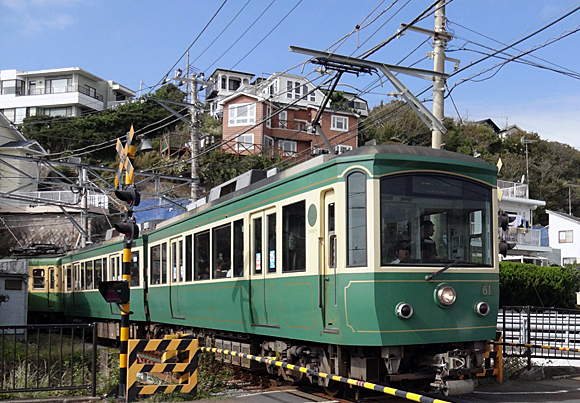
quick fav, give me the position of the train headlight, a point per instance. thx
(482, 308)
(445, 295)
(404, 310)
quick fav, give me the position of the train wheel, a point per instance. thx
(333, 388)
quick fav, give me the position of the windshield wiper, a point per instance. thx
(433, 275)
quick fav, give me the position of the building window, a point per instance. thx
(245, 142)
(356, 219)
(9, 113)
(14, 285)
(224, 83)
(62, 111)
(569, 260)
(273, 88)
(283, 120)
(12, 87)
(294, 237)
(242, 114)
(234, 84)
(289, 148)
(565, 236)
(289, 87)
(297, 90)
(342, 148)
(339, 123)
(58, 85)
(268, 117)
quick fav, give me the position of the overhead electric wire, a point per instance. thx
(220, 34)
(191, 45)
(241, 36)
(268, 34)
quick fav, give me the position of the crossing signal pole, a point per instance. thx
(129, 195)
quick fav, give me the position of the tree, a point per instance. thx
(64, 135)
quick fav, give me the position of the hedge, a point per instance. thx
(527, 284)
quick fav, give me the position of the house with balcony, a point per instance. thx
(224, 83)
(564, 233)
(274, 117)
(531, 242)
(57, 92)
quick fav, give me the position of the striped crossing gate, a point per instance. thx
(185, 370)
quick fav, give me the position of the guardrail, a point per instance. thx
(93, 198)
(39, 358)
(529, 325)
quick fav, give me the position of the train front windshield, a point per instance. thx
(433, 219)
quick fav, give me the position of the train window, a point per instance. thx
(105, 273)
(52, 279)
(201, 255)
(221, 249)
(38, 279)
(112, 272)
(257, 260)
(294, 237)
(164, 263)
(89, 270)
(433, 219)
(68, 278)
(135, 273)
(155, 263)
(356, 219)
(98, 266)
(83, 276)
(238, 248)
(271, 236)
(188, 258)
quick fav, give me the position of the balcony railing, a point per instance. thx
(69, 88)
(513, 189)
(523, 236)
(93, 198)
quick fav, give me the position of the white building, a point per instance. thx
(564, 232)
(57, 92)
(225, 83)
(529, 247)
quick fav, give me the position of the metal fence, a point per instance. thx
(552, 327)
(40, 358)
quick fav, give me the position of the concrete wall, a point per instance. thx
(14, 311)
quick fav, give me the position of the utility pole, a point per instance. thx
(439, 43)
(193, 137)
(84, 206)
(526, 142)
(570, 186)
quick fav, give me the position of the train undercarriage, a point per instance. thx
(446, 368)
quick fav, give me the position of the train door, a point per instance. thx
(177, 275)
(52, 288)
(263, 300)
(115, 273)
(330, 261)
(76, 286)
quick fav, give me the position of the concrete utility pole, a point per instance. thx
(439, 43)
(193, 136)
(84, 206)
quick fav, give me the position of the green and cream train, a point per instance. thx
(379, 264)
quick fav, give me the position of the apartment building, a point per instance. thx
(57, 92)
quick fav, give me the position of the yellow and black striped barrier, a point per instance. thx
(573, 350)
(372, 386)
(186, 371)
(495, 370)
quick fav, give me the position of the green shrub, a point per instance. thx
(528, 284)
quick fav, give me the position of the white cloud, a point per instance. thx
(34, 17)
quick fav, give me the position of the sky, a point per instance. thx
(130, 41)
